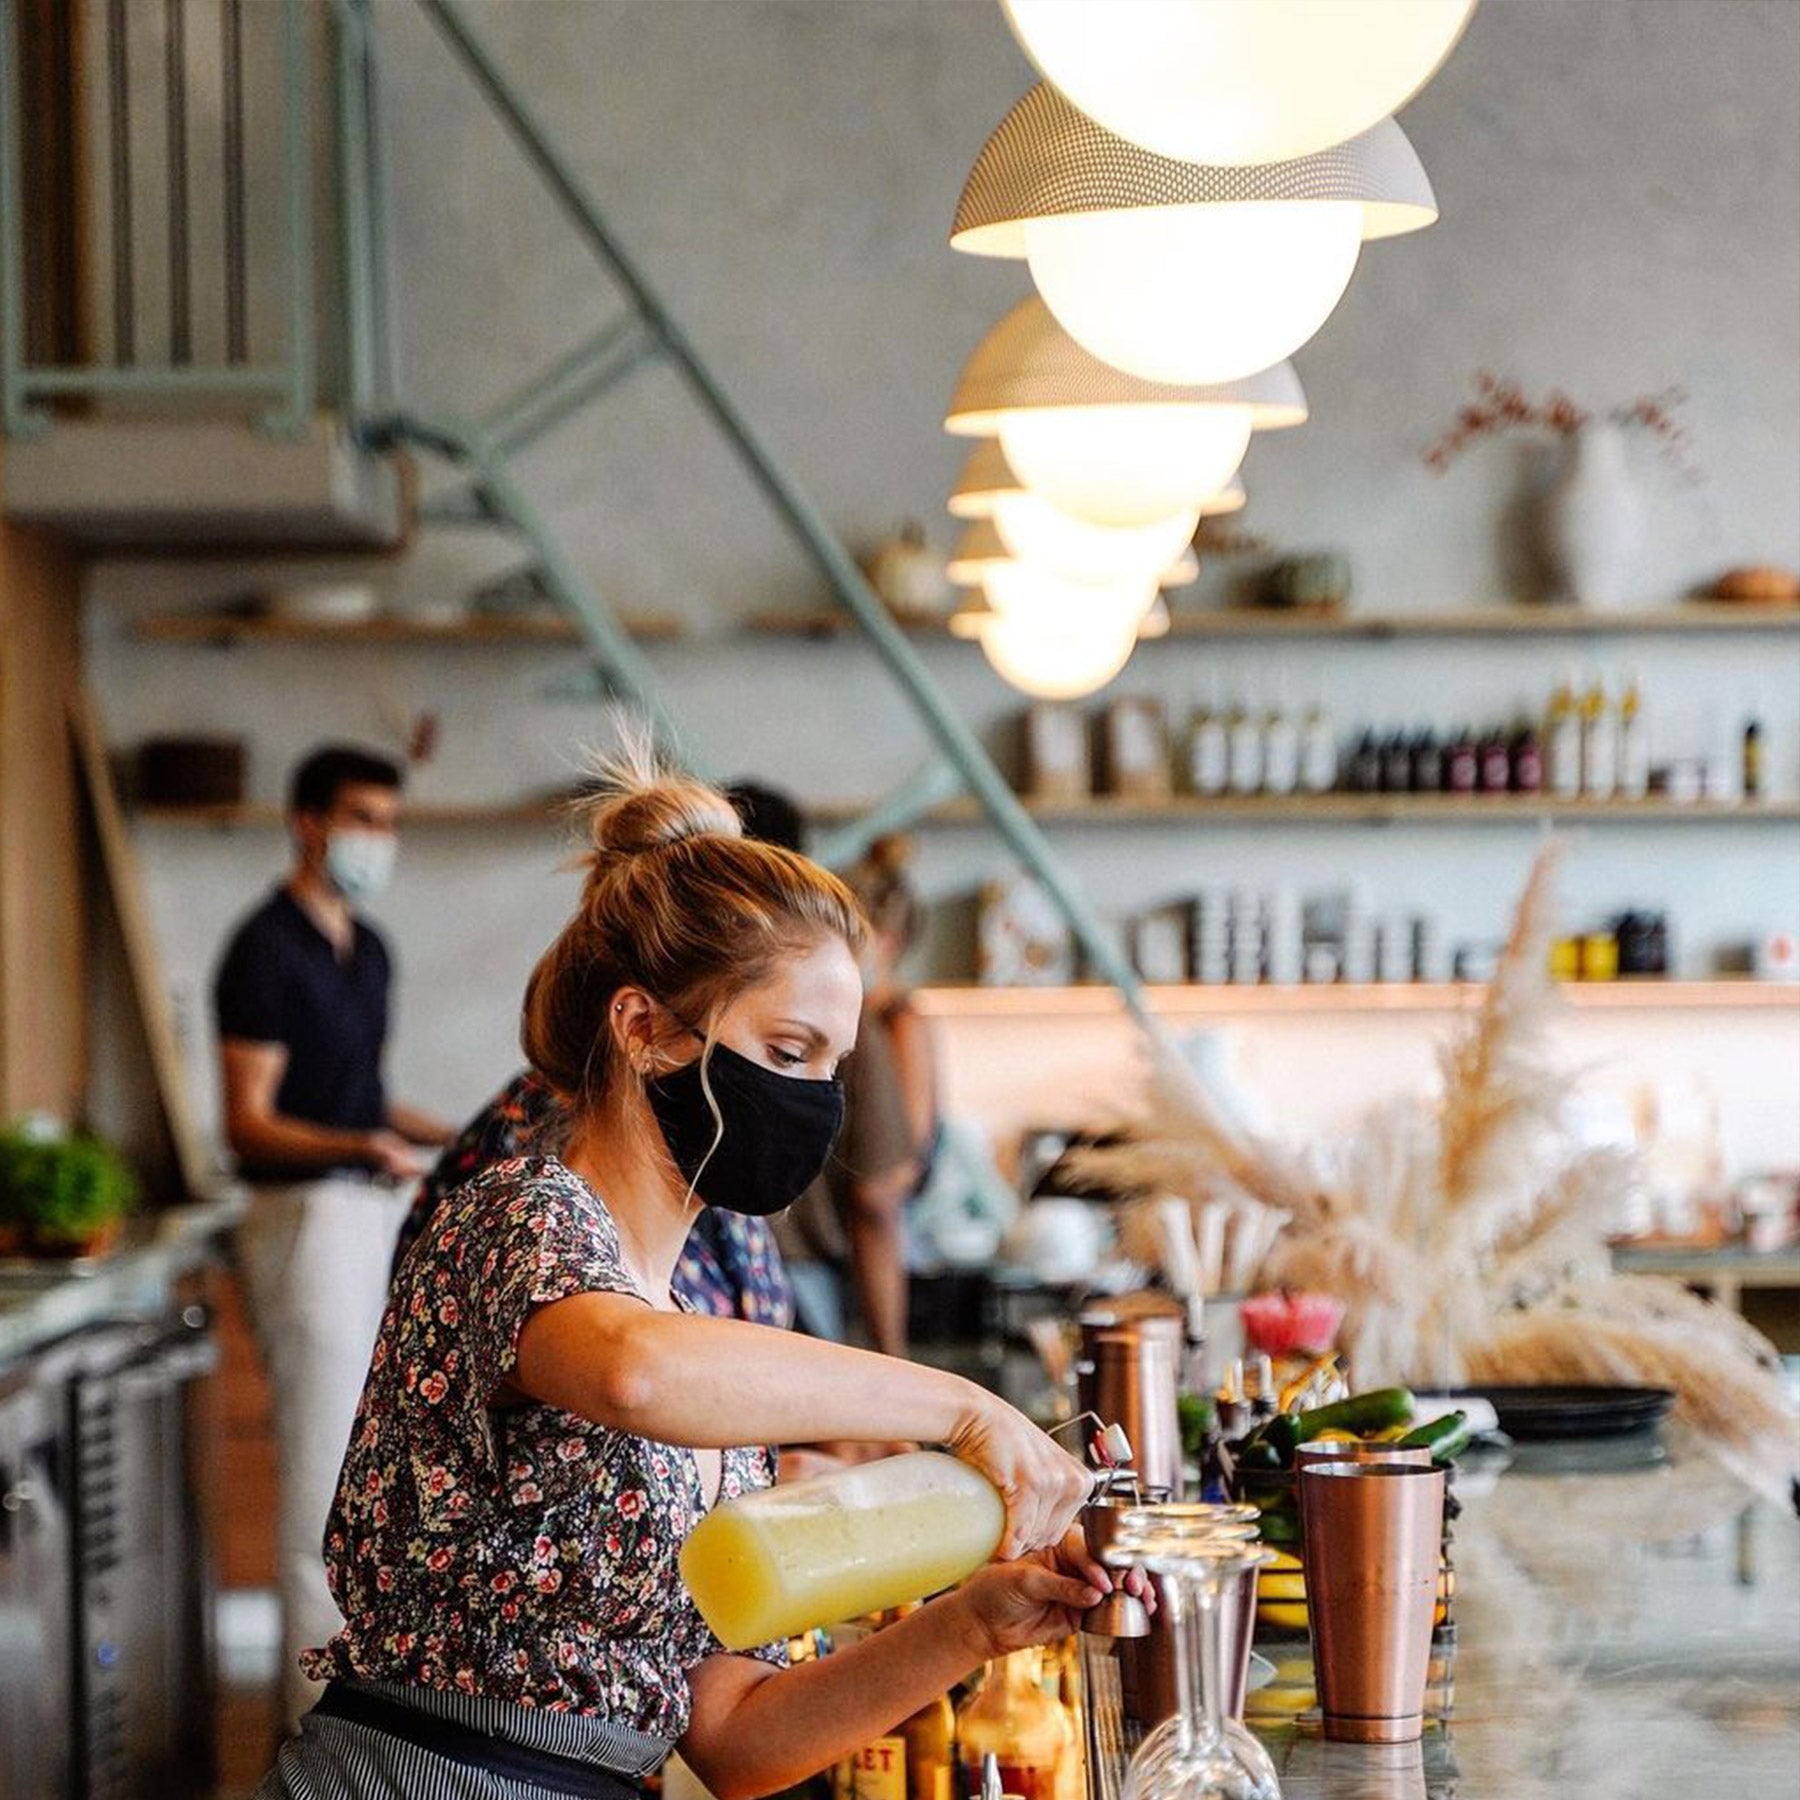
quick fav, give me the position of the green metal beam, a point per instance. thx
(568, 384)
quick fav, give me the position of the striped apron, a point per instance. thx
(371, 1740)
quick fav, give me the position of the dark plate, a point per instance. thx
(1533, 1413)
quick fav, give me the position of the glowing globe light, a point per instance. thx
(1036, 531)
(1183, 272)
(1196, 293)
(1060, 658)
(1104, 445)
(1238, 81)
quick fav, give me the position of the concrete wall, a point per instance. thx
(1616, 181)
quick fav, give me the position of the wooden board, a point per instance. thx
(43, 961)
(122, 885)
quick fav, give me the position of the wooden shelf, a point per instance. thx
(259, 816)
(1353, 809)
(1094, 1002)
(1310, 622)
(477, 630)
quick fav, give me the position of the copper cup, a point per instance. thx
(1120, 1614)
(1371, 1533)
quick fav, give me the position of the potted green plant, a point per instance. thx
(62, 1193)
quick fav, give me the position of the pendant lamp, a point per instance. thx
(1057, 657)
(1100, 443)
(1178, 271)
(987, 477)
(983, 549)
(1238, 81)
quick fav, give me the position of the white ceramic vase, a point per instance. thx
(1593, 521)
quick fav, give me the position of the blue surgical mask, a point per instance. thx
(360, 863)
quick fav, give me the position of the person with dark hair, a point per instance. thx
(301, 1000)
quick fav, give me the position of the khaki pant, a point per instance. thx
(315, 1258)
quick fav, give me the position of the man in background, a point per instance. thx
(302, 1008)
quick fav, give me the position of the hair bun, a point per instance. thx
(641, 807)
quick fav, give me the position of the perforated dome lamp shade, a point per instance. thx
(1103, 444)
(1219, 81)
(1181, 271)
(987, 476)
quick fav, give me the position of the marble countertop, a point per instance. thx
(39, 1305)
(1621, 1633)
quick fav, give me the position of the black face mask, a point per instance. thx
(778, 1130)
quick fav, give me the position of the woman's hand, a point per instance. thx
(1015, 1605)
(1042, 1485)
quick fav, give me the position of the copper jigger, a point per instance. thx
(1372, 1533)
(1119, 1615)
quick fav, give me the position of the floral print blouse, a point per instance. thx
(730, 1265)
(522, 1552)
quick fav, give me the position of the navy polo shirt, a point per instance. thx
(282, 982)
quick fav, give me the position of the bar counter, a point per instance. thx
(1621, 1632)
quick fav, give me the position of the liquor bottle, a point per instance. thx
(1365, 766)
(1462, 764)
(1207, 757)
(1527, 760)
(1318, 752)
(878, 1771)
(930, 1736)
(1427, 763)
(1396, 765)
(1010, 1716)
(1244, 750)
(1752, 786)
(1634, 744)
(1562, 745)
(1599, 746)
(1495, 763)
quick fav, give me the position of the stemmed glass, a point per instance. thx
(1201, 1753)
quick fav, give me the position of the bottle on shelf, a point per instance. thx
(1495, 763)
(1244, 750)
(1280, 751)
(930, 1739)
(1462, 763)
(1634, 744)
(1599, 745)
(1363, 776)
(1751, 784)
(1427, 763)
(1527, 759)
(1396, 765)
(1318, 751)
(1030, 1735)
(1208, 763)
(1562, 742)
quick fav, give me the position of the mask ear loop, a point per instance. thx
(707, 1040)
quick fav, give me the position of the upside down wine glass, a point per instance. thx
(1201, 1753)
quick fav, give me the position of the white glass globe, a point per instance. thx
(1036, 531)
(1238, 81)
(1029, 591)
(1196, 294)
(1056, 659)
(1125, 465)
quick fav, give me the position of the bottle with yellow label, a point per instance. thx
(930, 1737)
(875, 1772)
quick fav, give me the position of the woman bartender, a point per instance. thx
(544, 1423)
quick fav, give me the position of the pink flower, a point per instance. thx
(631, 1503)
(439, 1560)
(384, 1580)
(448, 1311)
(542, 1547)
(571, 1449)
(530, 1493)
(434, 1387)
(504, 1581)
(438, 1480)
(549, 1581)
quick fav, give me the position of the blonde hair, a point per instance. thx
(678, 902)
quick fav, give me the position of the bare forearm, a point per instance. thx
(718, 1382)
(273, 1140)
(418, 1127)
(773, 1732)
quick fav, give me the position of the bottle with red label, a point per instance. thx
(1027, 1730)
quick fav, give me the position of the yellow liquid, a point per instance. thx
(780, 1561)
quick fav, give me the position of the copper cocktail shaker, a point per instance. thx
(1129, 1372)
(1371, 1532)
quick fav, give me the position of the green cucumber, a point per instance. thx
(1361, 1414)
(1446, 1438)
